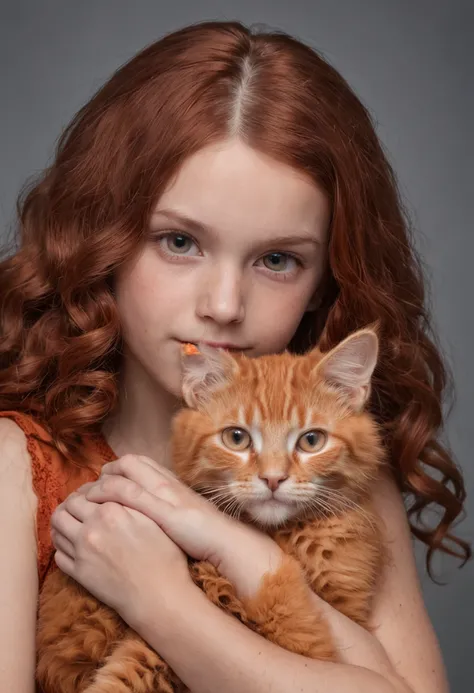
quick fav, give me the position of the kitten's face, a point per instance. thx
(276, 439)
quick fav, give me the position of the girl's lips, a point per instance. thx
(224, 345)
(219, 345)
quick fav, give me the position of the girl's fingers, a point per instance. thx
(61, 543)
(129, 463)
(119, 489)
(64, 563)
(161, 469)
(157, 509)
(78, 506)
(82, 490)
(136, 469)
(65, 524)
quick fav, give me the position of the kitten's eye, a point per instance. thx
(312, 441)
(236, 439)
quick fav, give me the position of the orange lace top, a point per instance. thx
(54, 478)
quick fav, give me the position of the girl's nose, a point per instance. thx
(221, 298)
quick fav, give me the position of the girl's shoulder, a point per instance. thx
(18, 564)
(52, 477)
(31, 427)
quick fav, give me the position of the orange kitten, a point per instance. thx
(283, 442)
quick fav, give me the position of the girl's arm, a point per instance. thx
(209, 650)
(400, 619)
(18, 570)
(212, 651)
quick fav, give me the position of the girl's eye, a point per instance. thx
(279, 262)
(312, 441)
(236, 439)
(178, 244)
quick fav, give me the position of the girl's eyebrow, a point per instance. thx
(183, 219)
(198, 227)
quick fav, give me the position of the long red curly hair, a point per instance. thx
(60, 336)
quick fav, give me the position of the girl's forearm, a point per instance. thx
(213, 652)
(355, 644)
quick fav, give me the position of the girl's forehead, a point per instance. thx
(231, 187)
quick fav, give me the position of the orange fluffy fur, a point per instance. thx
(324, 521)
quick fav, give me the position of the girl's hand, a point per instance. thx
(119, 555)
(241, 553)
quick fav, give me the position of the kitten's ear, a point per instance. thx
(350, 365)
(204, 372)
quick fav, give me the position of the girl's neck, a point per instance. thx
(141, 424)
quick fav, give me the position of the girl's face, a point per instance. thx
(236, 253)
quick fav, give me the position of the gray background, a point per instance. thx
(409, 61)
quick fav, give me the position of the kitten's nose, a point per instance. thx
(273, 480)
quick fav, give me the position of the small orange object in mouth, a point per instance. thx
(190, 349)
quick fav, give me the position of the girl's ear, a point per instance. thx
(204, 372)
(350, 365)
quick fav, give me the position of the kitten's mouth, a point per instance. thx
(277, 501)
(271, 512)
(271, 503)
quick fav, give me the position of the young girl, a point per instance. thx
(226, 187)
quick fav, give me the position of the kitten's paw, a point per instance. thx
(219, 590)
(134, 667)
